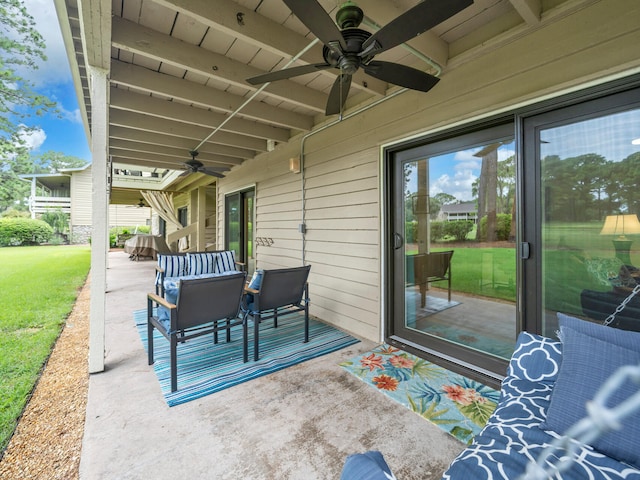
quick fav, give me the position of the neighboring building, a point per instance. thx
(70, 191)
(458, 211)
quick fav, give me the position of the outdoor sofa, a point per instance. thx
(545, 392)
(174, 267)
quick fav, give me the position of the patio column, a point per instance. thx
(100, 216)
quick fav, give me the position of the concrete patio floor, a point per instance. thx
(299, 423)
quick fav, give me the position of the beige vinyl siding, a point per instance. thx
(81, 197)
(342, 163)
(129, 216)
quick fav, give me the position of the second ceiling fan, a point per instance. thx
(348, 47)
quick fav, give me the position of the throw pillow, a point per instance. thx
(201, 263)
(173, 266)
(255, 284)
(225, 261)
(591, 353)
(535, 359)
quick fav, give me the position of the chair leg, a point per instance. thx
(275, 318)
(449, 288)
(150, 331)
(228, 330)
(245, 345)
(150, 341)
(306, 323)
(215, 332)
(256, 335)
(174, 362)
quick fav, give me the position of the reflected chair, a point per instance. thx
(431, 267)
(203, 306)
(281, 292)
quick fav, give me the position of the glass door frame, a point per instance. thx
(246, 232)
(483, 367)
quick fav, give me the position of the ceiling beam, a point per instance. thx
(149, 123)
(137, 39)
(233, 155)
(130, 75)
(135, 102)
(164, 160)
(529, 10)
(264, 33)
(172, 153)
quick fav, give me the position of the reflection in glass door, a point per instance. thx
(589, 165)
(455, 248)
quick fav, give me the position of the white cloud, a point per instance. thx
(33, 138)
(56, 69)
(459, 185)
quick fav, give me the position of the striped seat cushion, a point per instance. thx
(201, 263)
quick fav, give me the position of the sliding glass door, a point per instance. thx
(581, 216)
(454, 263)
(239, 213)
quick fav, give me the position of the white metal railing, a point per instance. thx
(42, 204)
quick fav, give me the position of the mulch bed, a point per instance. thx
(48, 440)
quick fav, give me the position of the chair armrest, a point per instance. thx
(251, 290)
(159, 269)
(242, 265)
(160, 301)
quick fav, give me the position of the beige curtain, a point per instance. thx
(162, 203)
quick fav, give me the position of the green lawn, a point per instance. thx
(39, 286)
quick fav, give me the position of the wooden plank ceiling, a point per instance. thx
(178, 69)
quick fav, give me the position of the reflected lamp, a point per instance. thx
(619, 226)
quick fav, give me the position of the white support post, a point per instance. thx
(100, 214)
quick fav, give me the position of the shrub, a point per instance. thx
(58, 220)
(458, 229)
(24, 231)
(503, 227)
(436, 231)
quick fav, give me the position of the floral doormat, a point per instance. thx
(458, 405)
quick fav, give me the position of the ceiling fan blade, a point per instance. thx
(185, 173)
(401, 75)
(338, 94)
(213, 173)
(412, 23)
(287, 73)
(319, 22)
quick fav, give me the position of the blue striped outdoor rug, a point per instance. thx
(205, 368)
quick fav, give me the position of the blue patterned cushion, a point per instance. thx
(366, 466)
(225, 262)
(173, 266)
(591, 354)
(513, 439)
(201, 263)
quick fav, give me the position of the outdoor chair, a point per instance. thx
(280, 292)
(431, 267)
(203, 306)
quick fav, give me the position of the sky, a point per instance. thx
(53, 79)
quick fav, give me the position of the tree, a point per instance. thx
(21, 46)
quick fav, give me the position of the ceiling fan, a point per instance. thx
(196, 166)
(347, 47)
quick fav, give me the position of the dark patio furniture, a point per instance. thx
(204, 306)
(282, 291)
(431, 267)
